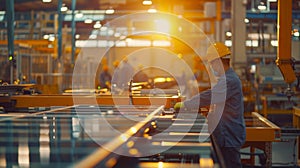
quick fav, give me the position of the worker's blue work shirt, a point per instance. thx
(226, 119)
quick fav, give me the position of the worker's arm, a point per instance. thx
(211, 96)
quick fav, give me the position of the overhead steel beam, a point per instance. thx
(266, 15)
(238, 28)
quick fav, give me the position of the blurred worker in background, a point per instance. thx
(226, 120)
(116, 75)
(126, 74)
(105, 78)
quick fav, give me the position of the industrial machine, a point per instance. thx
(23, 97)
(6, 91)
(284, 60)
(286, 82)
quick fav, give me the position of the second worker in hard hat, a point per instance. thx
(226, 117)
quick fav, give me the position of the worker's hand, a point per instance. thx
(178, 105)
(107, 83)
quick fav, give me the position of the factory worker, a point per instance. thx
(116, 75)
(127, 72)
(105, 78)
(226, 118)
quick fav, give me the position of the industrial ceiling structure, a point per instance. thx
(192, 10)
(97, 10)
(118, 5)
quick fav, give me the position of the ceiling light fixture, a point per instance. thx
(79, 15)
(46, 36)
(296, 33)
(46, 1)
(97, 25)
(152, 10)
(228, 34)
(88, 21)
(262, 6)
(109, 11)
(51, 38)
(64, 8)
(147, 2)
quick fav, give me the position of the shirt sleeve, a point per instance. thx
(211, 96)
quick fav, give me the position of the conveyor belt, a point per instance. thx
(103, 136)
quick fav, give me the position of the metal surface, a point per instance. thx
(60, 138)
(25, 101)
(258, 128)
(260, 133)
(188, 151)
(55, 138)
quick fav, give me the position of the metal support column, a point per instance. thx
(73, 32)
(238, 14)
(59, 31)
(10, 18)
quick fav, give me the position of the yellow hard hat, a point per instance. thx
(116, 63)
(217, 50)
(105, 68)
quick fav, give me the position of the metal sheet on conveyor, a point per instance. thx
(71, 136)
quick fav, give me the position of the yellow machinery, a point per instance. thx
(284, 61)
(13, 99)
(24, 101)
(260, 133)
